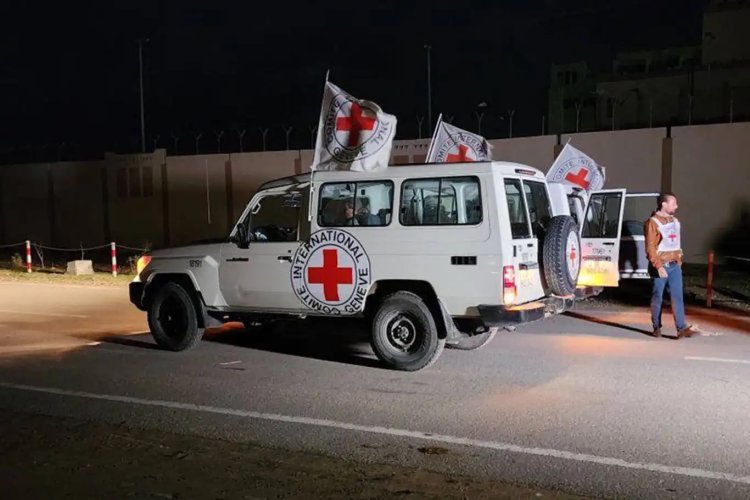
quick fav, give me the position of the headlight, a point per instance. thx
(142, 263)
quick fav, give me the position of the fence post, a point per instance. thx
(710, 279)
(28, 256)
(113, 247)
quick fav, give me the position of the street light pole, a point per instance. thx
(511, 112)
(429, 90)
(141, 41)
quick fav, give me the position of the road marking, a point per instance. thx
(33, 313)
(389, 431)
(718, 360)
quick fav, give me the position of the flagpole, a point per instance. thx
(317, 141)
(434, 134)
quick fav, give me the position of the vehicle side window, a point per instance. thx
(519, 219)
(276, 217)
(442, 201)
(602, 216)
(540, 211)
(344, 204)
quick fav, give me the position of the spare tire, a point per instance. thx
(562, 255)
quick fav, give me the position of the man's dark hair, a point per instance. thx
(662, 198)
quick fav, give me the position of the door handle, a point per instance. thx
(238, 259)
(284, 258)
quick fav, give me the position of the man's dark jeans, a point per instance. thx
(674, 282)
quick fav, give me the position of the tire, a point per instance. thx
(404, 333)
(473, 342)
(562, 255)
(173, 319)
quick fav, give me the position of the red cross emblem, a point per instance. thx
(462, 155)
(578, 179)
(572, 256)
(330, 275)
(355, 124)
(672, 237)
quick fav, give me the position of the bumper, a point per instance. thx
(493, 315)
(136, 290)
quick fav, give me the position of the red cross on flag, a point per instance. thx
(451, 144)
(576, 169)
(353, 134)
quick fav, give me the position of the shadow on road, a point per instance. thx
(337, 340)
(601, 321)
(130, 342)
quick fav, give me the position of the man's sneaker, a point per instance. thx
(657, 333)
(688, 331)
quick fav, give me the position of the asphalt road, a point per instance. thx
(584, 403)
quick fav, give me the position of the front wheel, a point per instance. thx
(404, 333)
(173, 319)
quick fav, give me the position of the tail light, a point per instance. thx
(509, 285)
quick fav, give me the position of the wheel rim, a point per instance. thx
(173, 317)
(402, 334)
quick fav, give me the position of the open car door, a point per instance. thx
(633, 258)
(600, 238)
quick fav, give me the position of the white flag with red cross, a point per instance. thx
(576, 169)
(353, 134)
(451, 144)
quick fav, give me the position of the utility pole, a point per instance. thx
(428, 48)
(511, 112)
(140, 42)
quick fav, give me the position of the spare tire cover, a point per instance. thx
(562, 255)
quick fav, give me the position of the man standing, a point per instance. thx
(662, 232)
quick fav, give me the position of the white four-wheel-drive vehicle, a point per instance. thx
(429, 255)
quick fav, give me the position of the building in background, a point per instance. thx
(705, 83)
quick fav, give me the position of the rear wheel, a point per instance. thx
(173, 319)
(404, 333)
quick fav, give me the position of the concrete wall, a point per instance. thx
(711, 177)
(26, 210)
(250, 170)
(632, 158)
(197, 197)
(414, 151)
(136, 215)
(78, 204)
(538, 152)
(66, 204)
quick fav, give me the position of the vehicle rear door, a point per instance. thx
(600, 238)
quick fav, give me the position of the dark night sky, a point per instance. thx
(70, 70)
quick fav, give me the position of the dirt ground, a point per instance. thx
(45, 457)
(59, 277)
